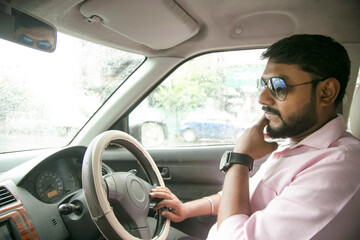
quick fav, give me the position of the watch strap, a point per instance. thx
(237, 158)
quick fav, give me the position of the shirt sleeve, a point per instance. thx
(227, 228)
(304, 207)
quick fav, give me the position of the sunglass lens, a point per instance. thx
(279, 88)
(261, 85)
(25, 40)
(44, 45)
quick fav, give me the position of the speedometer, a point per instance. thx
(49, 186)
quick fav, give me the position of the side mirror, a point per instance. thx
(150, 134)
(19, 27)
(153, 134)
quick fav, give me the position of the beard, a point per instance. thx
(298, 122)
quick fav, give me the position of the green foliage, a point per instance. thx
(189, 87)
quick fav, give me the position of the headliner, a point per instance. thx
(198, 25)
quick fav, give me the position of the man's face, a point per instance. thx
(34, 36)
(297, 114)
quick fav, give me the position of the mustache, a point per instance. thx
(271, 110)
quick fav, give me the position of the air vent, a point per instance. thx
(6, 197)
(104, 171)
(54, 222)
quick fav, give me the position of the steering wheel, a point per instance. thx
(126, 217)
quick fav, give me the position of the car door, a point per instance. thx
(191, 169)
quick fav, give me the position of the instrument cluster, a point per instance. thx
(53, 180)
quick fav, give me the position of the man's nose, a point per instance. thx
(266, 98)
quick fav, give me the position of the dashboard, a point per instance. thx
(38, 188)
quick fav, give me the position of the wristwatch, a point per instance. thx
(229, 158)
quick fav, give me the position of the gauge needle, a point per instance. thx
(49, 188)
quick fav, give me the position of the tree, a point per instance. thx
(190, 87)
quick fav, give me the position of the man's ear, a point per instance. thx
(328, 91)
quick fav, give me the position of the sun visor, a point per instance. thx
(158, 24)
(261, 25)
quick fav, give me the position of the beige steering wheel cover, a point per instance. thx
(101, 143)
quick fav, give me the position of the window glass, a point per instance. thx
(209, 100)
(46, 98)
(357, 81)
(355, 91)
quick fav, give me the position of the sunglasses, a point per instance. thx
(278, 87)
(44, 45)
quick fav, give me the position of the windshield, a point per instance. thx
(45, 99)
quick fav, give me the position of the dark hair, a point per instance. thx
(319, 55)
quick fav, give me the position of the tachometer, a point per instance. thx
(49, 186)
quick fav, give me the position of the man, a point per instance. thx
(308, 188)
(34, 33)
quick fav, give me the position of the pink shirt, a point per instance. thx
(307, 191)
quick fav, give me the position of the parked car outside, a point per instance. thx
(204, 124)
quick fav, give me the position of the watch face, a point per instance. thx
(224, 161)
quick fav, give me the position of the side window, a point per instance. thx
(209, 100)
(357, 81)
(357, 88)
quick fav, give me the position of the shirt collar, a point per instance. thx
(326, 135)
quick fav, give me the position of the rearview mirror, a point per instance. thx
(19, 27)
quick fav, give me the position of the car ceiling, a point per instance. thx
(184, 28)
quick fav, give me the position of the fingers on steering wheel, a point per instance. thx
(164, 203)
(160, 193)
(161, 189)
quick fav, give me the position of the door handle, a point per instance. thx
(164, 172)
